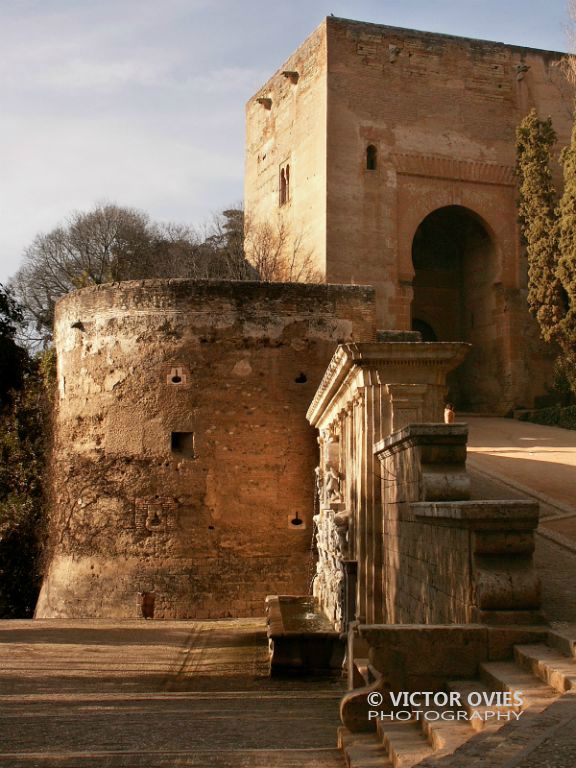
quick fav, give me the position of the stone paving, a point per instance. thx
(151, 694)
(555, 749)
(537, 460)
(547, 740)
(544, 738)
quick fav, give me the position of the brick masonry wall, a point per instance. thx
(182, 451)
(442, 112)
(290, 129)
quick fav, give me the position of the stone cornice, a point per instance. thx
(377, 355)
(491, 515)
(422, 434)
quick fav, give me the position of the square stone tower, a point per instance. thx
(388, 156)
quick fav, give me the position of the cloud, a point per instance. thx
(83, 45)
(64, 164)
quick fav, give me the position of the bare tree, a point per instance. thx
(278, 256)
(112, 243)
(107, 244)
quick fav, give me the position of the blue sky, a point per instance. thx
(141, 102)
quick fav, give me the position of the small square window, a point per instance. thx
(182, 444)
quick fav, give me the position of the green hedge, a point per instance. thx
(553, 417)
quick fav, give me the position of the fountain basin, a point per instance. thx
(301, 639)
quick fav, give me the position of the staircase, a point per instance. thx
(541, 673)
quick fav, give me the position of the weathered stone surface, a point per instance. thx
(183, 467)
(301, 639)
(408, 656)
(354, 707)
(447, 559)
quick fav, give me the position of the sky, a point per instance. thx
(141, 102)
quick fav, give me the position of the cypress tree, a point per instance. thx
(566, 270)
(539, 224)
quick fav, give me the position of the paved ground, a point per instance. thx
(153, 694)
(533, 458)
(554, 559)
(515, 459)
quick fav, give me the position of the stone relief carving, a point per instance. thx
(319, 483)
(331, 525)
(332, 494)
(329, 581)
(342, 523)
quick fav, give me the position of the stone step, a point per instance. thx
(508, 676)
(444, 734)
(477, 713)
(563, 640)
(552, 667)
(362, 750)
(404, 741)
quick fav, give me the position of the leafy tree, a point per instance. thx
(23, 442)
(549, 234)
(221, 253)
(13, 359)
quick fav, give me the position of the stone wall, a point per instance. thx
(447, 560)
(183, 467)
(427, 657)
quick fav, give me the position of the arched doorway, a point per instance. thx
(454, 263)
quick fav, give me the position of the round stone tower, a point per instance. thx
(183, 466)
